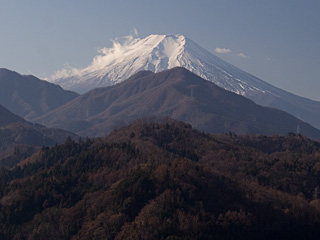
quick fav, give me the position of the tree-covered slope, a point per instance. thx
(19, 138)
(160, 179)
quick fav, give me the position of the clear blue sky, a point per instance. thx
(276, 40)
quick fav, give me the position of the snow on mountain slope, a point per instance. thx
(155, 53)
(160, 52)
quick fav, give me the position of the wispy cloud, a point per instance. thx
(104, 58)
(135, 31)
(242, 55)
(228, 51)
(223, 50)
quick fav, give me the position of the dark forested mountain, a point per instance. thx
(176, 93)
(28, 96)
(161, 179)
(19, 138)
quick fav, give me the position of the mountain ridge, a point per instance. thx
(20, 138)
(178, 94)
(27, 96)
(161, 52)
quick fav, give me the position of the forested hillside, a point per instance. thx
(20, 139)
(160, 179)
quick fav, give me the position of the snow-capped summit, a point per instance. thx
(161, 52)
(155, 53)
(113, 65)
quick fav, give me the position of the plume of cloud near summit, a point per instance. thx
(105, 57)
(109, 55)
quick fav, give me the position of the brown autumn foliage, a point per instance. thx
(19, 139)
(160, 179)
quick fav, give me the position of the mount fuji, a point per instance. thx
(160, 52)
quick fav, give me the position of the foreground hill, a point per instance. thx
(157, 53)
(176, 93)
(19, 138)
(160, 179)
(28, 96)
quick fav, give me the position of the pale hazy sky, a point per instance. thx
(275, 40)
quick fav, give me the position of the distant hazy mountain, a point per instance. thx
(28, 96)
(176, 93)
(7, 117)
(160, 52)
(19, 138)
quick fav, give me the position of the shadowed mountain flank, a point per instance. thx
(19, 138)
(28, 96)
(176, 93)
